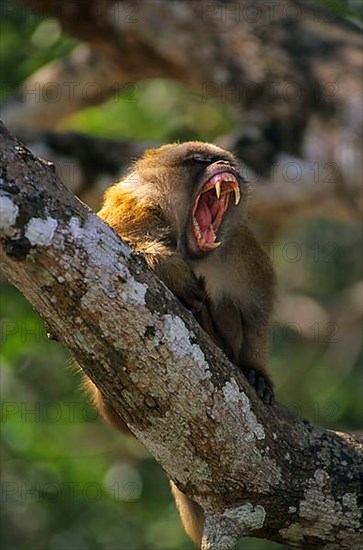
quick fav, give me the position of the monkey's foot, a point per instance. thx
(261, 383)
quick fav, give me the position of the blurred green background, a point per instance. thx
(68, 480)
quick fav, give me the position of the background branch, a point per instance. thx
(290, 73)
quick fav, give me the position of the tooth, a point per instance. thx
(197, 228)
(215, 245)
(237, 194)
(218, 188)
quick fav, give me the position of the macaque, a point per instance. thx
(183, 207)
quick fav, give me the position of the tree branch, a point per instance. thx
(256, 470)
(62, 87)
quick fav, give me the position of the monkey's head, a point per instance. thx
(196, 189)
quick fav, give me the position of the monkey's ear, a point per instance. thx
(150, 152)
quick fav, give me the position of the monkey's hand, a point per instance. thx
(192, 295)
(261, 382)
(176, 274)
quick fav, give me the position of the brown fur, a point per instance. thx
(229, 290)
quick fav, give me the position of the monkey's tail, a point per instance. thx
(191, 514)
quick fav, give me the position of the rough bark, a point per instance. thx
(290, 71)
(256, 470)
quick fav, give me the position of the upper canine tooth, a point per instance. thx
(218, 188)
(237, 195)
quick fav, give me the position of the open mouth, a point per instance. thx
(210, 206)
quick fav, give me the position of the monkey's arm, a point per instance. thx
(240, 317)
(253, 358)
(244, 339)
(256, 319)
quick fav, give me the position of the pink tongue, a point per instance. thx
(203, 216)
(208, 236)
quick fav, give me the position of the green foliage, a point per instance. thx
(317, 351)
(28, 42)
(159, 109)
(351, 9)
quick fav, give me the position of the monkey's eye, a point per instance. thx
(200, 158)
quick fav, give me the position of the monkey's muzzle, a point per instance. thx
(210, 206)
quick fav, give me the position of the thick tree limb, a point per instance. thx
(256, 470)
